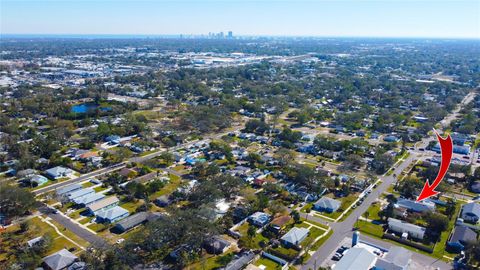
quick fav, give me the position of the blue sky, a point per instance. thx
(387, 18)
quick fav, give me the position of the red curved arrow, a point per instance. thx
(446, 147)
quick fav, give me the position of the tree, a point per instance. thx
(276, 207)
(295, 215)
(167, 158)
(436, 222)
(252, 231)
(24, 226)
(388, 211)
(285, 156)
(15, 201)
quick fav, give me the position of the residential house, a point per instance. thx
(59, 260)
(216, 245)
(326, 204)
(279, 223)
(471, 212)
(295, 236)
(240, 261)
(475, 187)
(79, 193)
(457, 149)
(397, 258)
(400, 226)
(26, 173)
(38, 179)
(68, 189)
(461, 237)
(391, 138)
(88, 199)
(414, 206)
(105, 203)
(259, 219)
(132, 221)
(111, 215)
(162, 201)
(59, 172)
(356, 258)
(35, 241)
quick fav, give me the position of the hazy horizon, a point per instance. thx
(323, 18)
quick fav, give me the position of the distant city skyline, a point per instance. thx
(323, 18)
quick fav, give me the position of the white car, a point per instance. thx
(119, 241)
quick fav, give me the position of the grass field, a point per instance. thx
(12, 236)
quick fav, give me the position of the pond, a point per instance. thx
(87, 107)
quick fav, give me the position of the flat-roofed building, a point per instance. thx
(105, 203)
(356, 258)
(132, 221)
(400, 226)
(80, 193)
(88, 199)
(68, 189)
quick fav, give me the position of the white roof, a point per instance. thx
(103, 203)
(295, 235)
(356, 258)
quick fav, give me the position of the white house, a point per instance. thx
(400, 226)
(59, 172)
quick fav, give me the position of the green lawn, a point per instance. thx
(346, 202)
(87, 184)
(369, 228)
(131, 206)
(305, 257)
(97, 227)
(440, 246)
(269, 264)
(170, 187)
(85, 220)
(99, 189)
(76, 214)
(209, 261)
(373, 212)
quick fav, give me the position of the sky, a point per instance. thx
(328, 18)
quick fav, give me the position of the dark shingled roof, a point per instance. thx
(463, 234)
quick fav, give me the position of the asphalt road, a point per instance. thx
(344, 229)
(73, 227)
(79, 179)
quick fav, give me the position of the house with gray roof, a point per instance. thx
(105, 203)
(59, 172)
(240, 261)
(132, 221)
(461, 237)
(59, 260)
(471, 212)
(80, 193)
(356, 258)
(111, 215)
(397, 258)
(295, 236)
(216, 245)
(68, 189)
(400, 226)
(414, 206)
(88, 199)
(326, 204)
